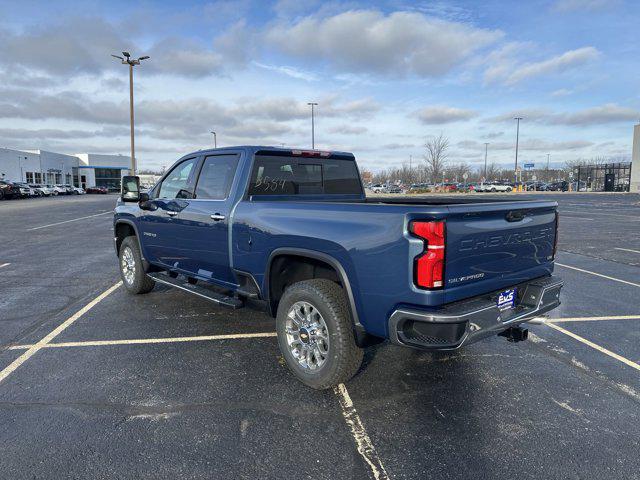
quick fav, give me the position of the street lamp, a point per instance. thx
(313, 127)
(486, 148)
(215, 139)
(517, 140)
(127, 60)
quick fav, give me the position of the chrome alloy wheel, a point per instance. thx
(128, 265)
(307, 335)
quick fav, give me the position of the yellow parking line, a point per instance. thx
(143, 341)
(595, 346)
(32, 349)
(592, 319)
(598, 274)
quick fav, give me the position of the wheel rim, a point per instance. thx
(128, 265)
(307, 336)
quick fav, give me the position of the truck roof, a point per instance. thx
(256, 148)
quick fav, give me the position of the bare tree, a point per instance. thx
(457, 171)
(436, 156)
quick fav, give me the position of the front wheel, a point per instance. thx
(135, 280)
(315, 334)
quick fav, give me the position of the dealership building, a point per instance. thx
(82, 169)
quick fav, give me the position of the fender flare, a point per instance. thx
(324, 257)
(145, 263)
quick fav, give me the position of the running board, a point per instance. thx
(203, 292)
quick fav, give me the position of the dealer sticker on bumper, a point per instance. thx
(507, 299)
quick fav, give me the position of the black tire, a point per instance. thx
(344, 356)
(1, 195)
(493, 190)
(138, 282)
(509, 189)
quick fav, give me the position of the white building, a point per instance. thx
(84, 169)
(101, 170)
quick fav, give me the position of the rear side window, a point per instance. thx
(275, 175)
(216, 176)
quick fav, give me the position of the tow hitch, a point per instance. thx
(515, 334)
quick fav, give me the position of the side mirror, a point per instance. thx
(130, 189)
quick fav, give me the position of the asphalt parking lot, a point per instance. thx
(95, 383)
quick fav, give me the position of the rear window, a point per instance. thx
(279, 175)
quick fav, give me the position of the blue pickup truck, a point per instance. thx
(292, 231)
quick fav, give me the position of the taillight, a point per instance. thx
(555, 238)
(429, 265)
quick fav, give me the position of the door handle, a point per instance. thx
(217, 217)
(171, 213)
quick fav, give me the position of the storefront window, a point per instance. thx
(108, 177)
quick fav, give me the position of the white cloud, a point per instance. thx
(368, 41)
(599, 115)
(289, 71)
(507, 70)
(441, 114)
(608, 113)
(584, 5)
(347, 130)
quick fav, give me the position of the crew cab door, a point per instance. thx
(161, 236)
(205, 221)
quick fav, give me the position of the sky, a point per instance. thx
(386, 75)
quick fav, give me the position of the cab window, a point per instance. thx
(216, 176)
(178, 183)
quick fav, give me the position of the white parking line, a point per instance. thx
(591, 319)
(598, 275)
(5, 265)
(363, 442)
(627, 250)
(145, 341)
(54, 333)
(591, 212)
(67, 221)
(595, 346)
(578, 218)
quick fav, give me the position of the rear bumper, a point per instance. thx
(465, 322)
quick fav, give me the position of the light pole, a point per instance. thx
(517, 141)
(486, 148)
(131, 62)
(313, 126)
(215, 139)
(548, 155)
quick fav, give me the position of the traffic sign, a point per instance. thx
(465, 175)
(529, 166)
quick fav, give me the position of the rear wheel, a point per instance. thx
(135, 280)
(315, 334)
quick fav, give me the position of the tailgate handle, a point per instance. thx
(515, 216)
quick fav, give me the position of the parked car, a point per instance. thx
(394, 189)
(103, 190)
(9, 190)
(537, 186)
(338, 271)
(561, 186)
(496, 187)
(78, 190)
(41, 190)
(25, 190)
(378, 188)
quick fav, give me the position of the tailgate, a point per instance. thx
(491, 246)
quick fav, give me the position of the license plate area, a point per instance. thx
(507, 299)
